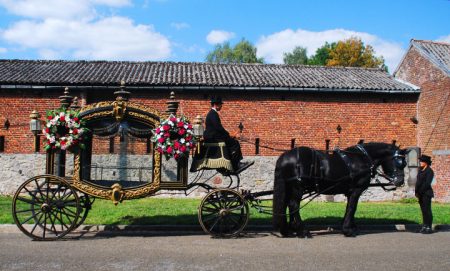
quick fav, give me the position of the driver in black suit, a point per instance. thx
(214, 132)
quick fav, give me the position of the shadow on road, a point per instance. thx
(148, 226)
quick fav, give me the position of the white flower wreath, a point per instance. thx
(63, 130)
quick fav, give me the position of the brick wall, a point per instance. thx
(16, 106)
(274, 117)
(433, 113)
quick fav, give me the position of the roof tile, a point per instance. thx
(40, 72)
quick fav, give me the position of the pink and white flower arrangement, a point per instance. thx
(174, 137)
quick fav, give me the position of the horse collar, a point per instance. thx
(347, 161)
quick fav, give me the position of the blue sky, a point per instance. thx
(177, 30)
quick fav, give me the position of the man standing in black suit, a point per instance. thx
(214, 132)
(424, 192)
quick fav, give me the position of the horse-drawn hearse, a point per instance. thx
(49, 206)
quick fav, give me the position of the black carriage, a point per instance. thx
(47, 207)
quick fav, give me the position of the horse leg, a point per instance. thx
(349, 226)
(295, 221)
(281, 197)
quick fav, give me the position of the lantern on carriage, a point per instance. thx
(35, 128)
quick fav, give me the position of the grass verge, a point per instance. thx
(162, 211)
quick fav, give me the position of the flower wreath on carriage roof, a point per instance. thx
(63, 130)
(174, 137)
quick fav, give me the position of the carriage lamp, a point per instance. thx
(339, 128)
(198, 127)
(35, 127)
(198, 130)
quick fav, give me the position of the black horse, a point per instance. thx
(305, 171)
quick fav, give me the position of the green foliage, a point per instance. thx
(322, 54)
(242, 52)
(297, 57)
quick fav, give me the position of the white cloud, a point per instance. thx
(3, 50)
(219, 36)
(444, 38)
(273, 46)
(113, 3)
(72, 29)
(111, 38)
(39, 9)
(180, 26)
(63, 9)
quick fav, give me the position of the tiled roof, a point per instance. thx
(436, 52)
(156, 74)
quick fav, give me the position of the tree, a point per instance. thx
(222, 53)
(322, 54)
(242, 52)
(298, 56)
(353, 53)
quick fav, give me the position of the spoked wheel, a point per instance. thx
(46, 207)
(86, 205)
(223, 212)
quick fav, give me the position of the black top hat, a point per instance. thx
(216, 100)
(425, 158)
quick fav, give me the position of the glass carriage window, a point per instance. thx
(130, 165)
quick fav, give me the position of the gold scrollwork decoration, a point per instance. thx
(95, 105)
(117, 193)
(144, 108)
(145, 118)
(119, 109)
(97, 115)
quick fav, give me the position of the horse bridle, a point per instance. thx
(398, 168)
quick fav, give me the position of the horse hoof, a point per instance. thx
(350, 234)
(286, 234)
(304, 235)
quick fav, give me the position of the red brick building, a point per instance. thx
(280, 106)
(277, 104)
(427, 65)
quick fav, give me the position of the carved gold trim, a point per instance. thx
(145, 109)
(117, 193)
(96, 105)
(119, 109)
(108, 192)
(98, 115)
(148, 119)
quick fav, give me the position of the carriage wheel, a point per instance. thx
(46, 207)
(86, 205)
(223, 212)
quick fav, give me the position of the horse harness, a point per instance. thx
(316, 171)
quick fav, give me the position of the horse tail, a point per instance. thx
(279, 205)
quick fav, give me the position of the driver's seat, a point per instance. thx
(212, 156)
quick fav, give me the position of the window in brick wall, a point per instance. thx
(111, 145)
(2, 143)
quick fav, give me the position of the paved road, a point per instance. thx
(254, 251)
